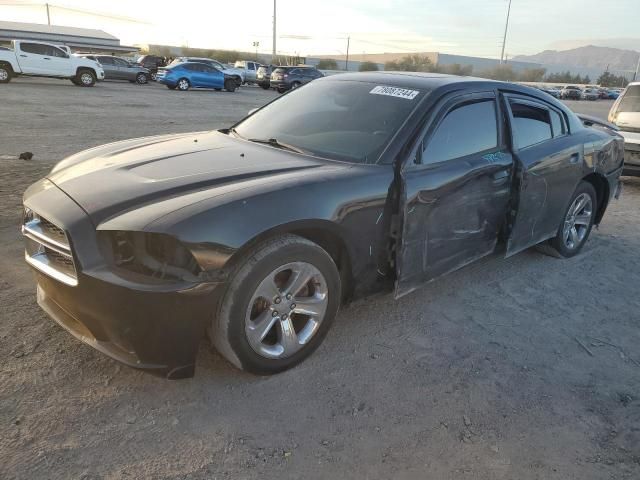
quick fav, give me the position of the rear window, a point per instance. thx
(630, 100)
(531, 125)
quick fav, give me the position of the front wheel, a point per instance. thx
(86, 78)
(141, 78)
(154, 76)
(230, 85)
(278, 305)
(576, 224)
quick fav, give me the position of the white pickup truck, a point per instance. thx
(41, 59)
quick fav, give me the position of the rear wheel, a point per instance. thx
(5, 73)
(230, 85)
(576, 224)
(278, 306)
(265, 86)
(141, 78)
(183, 84)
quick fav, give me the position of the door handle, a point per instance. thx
(575, 157)
(46, 58)
(23, 55)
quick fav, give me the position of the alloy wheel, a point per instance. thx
(183, 84)
(4, 74)
(86, 79)
(577, 221)
(286, 310)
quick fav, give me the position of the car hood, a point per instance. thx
(109, 180)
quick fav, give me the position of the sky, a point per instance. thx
(463, 27)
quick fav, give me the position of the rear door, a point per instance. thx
(31, 57)
(456, 189)
(548, 161)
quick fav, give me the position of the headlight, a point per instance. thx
(155, 255)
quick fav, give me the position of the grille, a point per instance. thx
(47, 248)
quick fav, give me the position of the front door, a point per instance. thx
(456, 190)
(548, 161)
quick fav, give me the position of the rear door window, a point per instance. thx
(531, 123)
(467, 129)
(34, 48)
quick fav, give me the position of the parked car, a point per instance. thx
(151, 63)
(288, 78)
(40, 59)
(184, 76)
(118, 69)
(612, 94)
(554, 92)
(263, 76)
(355, 184)
(603, 93)
(236, 73)
(571, 93)
(625, 113)
(590, 94)
(250, 69)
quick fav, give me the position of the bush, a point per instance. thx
(368, 67)
(327, 64)
(411, 63)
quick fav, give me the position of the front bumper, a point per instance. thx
(154, 327)
(631, 152)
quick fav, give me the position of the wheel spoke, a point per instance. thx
(580, 203)
(262, 325)
(299, 278)
(267, 289)
(574, 236)
(287, 336)
(583, 219)
(311, 306)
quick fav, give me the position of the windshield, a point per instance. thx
(343, 120)
(631, 100)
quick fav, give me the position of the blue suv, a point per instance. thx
(184, 76)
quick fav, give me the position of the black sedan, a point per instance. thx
(351, 185)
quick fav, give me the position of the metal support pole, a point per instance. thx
(346, 61)
(504, 39)
(637, 72)
(273, 53)
(48, 16)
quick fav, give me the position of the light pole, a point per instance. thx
(48, 16)
(346, 61)
(256, 44)
(635, 75)
(504, 39)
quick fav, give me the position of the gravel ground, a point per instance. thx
(526, 368)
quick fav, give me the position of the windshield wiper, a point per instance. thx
(275, 143)
(235, 132)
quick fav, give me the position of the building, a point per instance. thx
(78, 39)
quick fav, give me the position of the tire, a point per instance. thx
(171, 87)
(218, 89)
(86, 78)
(265, 86)
(141, 79)
(230, 85)
(234, 331)
(295, 85)
(183, 84)
(281, 90)
(567, 242)
(6, 72)
(154, 76)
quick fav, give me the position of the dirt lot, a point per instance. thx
(527, 368)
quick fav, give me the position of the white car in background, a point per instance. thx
(234, 72)
(40, 59)
(625, 113)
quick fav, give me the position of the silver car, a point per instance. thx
(118, 69)
(625, 113)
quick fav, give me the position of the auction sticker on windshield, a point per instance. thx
(395, 92)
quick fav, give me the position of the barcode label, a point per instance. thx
(395, 92)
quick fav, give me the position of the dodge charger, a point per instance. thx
(253, 236)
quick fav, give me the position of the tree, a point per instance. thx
(532, 74)
(327, 64)
(500, 72)
(368, 67)
(454, 69)
(608, 79)
(411, 63)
